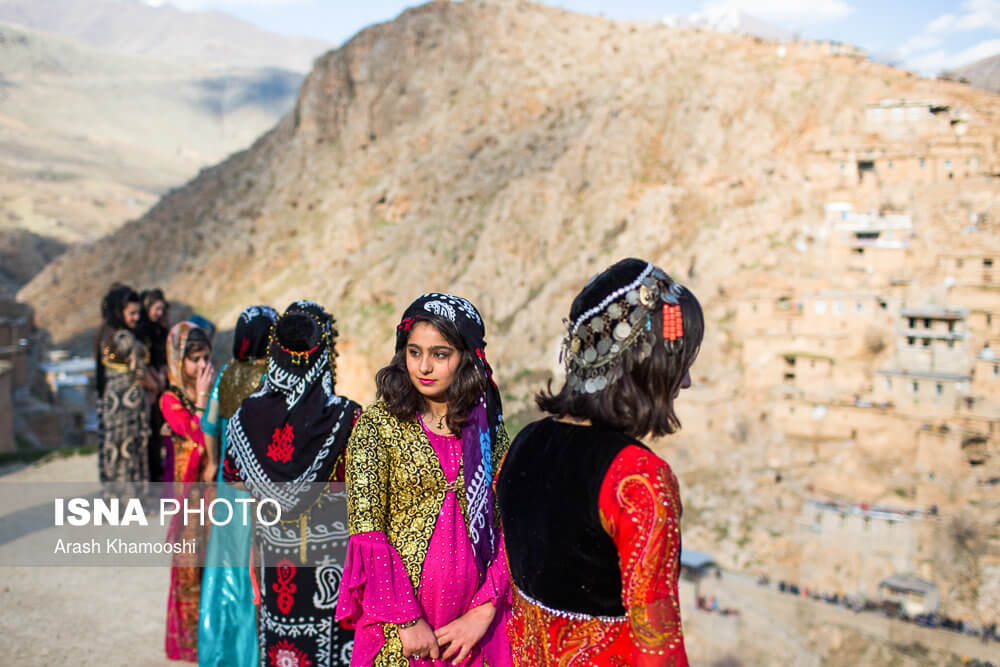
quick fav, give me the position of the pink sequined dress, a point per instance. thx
(377, 590)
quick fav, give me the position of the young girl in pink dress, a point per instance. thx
(426, 581)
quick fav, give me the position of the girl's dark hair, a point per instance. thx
(114, 302)
(149, 297)
(197, 341)
(402, 399)
(641, 401)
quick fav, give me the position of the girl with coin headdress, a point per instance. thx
(426, 580)
(591, 516)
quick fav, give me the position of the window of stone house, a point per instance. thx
(790, 377)
(913, 323)
(951, 342)
(996, 370)
(927, 323)
(987, 263)
(947, 163)
(926, 342)
(910, 340)
(951, 326)
(939, 388)
(915, 386)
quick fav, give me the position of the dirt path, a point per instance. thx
(101, 616)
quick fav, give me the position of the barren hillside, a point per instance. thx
(90, 139)
(506, 151)
(165, 33)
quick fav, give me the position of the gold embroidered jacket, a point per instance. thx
(395, 484)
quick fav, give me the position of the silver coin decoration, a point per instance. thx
(623, 319)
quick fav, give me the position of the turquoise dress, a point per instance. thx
(227, 623)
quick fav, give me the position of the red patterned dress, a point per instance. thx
(185, 573)
(595, 571)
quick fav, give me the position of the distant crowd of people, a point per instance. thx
(886, 608)
(462, 547)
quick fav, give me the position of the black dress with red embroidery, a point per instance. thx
(300, 557)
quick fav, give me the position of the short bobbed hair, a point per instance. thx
(641, 401)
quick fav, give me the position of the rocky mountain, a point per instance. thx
(507, 151)
(983, 74)
(90, 138)
(165, 33)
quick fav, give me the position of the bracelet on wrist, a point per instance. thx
(408, 624)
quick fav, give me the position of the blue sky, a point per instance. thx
(922, 35)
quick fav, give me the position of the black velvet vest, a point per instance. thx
(548, 492)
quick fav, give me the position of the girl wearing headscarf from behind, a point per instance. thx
(227, 625)
(191, 377)
(122, 381)
(426, 579)
(286, 442)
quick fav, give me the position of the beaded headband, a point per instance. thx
(598, 337)
(330, 332)
(290, 359)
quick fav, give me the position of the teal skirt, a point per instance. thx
(227, 622)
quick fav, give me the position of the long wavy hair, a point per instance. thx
(402, 399)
